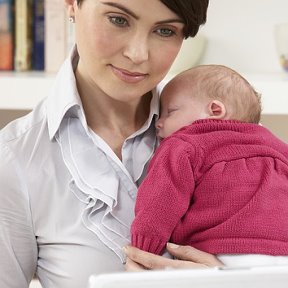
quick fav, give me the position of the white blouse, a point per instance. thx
(66, 200)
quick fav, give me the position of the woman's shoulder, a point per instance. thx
(27, 124)
(20, 135)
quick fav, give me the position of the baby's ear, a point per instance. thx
(217, 110)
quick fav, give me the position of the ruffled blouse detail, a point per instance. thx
(97, 180)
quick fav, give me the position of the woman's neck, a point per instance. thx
(112, 120)
(120, 118)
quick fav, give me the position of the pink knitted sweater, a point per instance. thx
(219, 186)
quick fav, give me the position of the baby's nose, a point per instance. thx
(158, 123)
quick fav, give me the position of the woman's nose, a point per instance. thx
(137, 49)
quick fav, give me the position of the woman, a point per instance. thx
(69, 170)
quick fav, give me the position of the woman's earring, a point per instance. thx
(71, 19)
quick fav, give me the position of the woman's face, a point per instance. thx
(126, 47)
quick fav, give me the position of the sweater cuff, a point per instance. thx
(149, 244)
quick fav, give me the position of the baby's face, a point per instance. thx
(178, 109)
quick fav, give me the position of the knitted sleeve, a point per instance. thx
(164, 196)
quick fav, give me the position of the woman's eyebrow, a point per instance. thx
(121, 7)
(173, 20)
(128, 11)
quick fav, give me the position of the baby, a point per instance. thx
(219, 180)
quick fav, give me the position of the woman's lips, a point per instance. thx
(128, 76)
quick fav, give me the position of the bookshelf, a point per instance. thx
(23, 90)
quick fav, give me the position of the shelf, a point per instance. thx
(22, 91)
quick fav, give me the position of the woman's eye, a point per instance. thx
(119, 21)
(165, 32)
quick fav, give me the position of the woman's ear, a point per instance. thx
(217, 110)
(69, 2)
(70, 7)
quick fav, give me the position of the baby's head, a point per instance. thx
(207, 92)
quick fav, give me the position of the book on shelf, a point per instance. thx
(38, 35)
(6, 35)
(23, 34)
(57, 34)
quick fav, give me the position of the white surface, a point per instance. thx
(23, 90)
(191, 52)
(265, 277)
(274, 90)
(241, 34)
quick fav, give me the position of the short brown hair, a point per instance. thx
(192, 12)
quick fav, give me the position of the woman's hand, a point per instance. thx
(187, 257)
